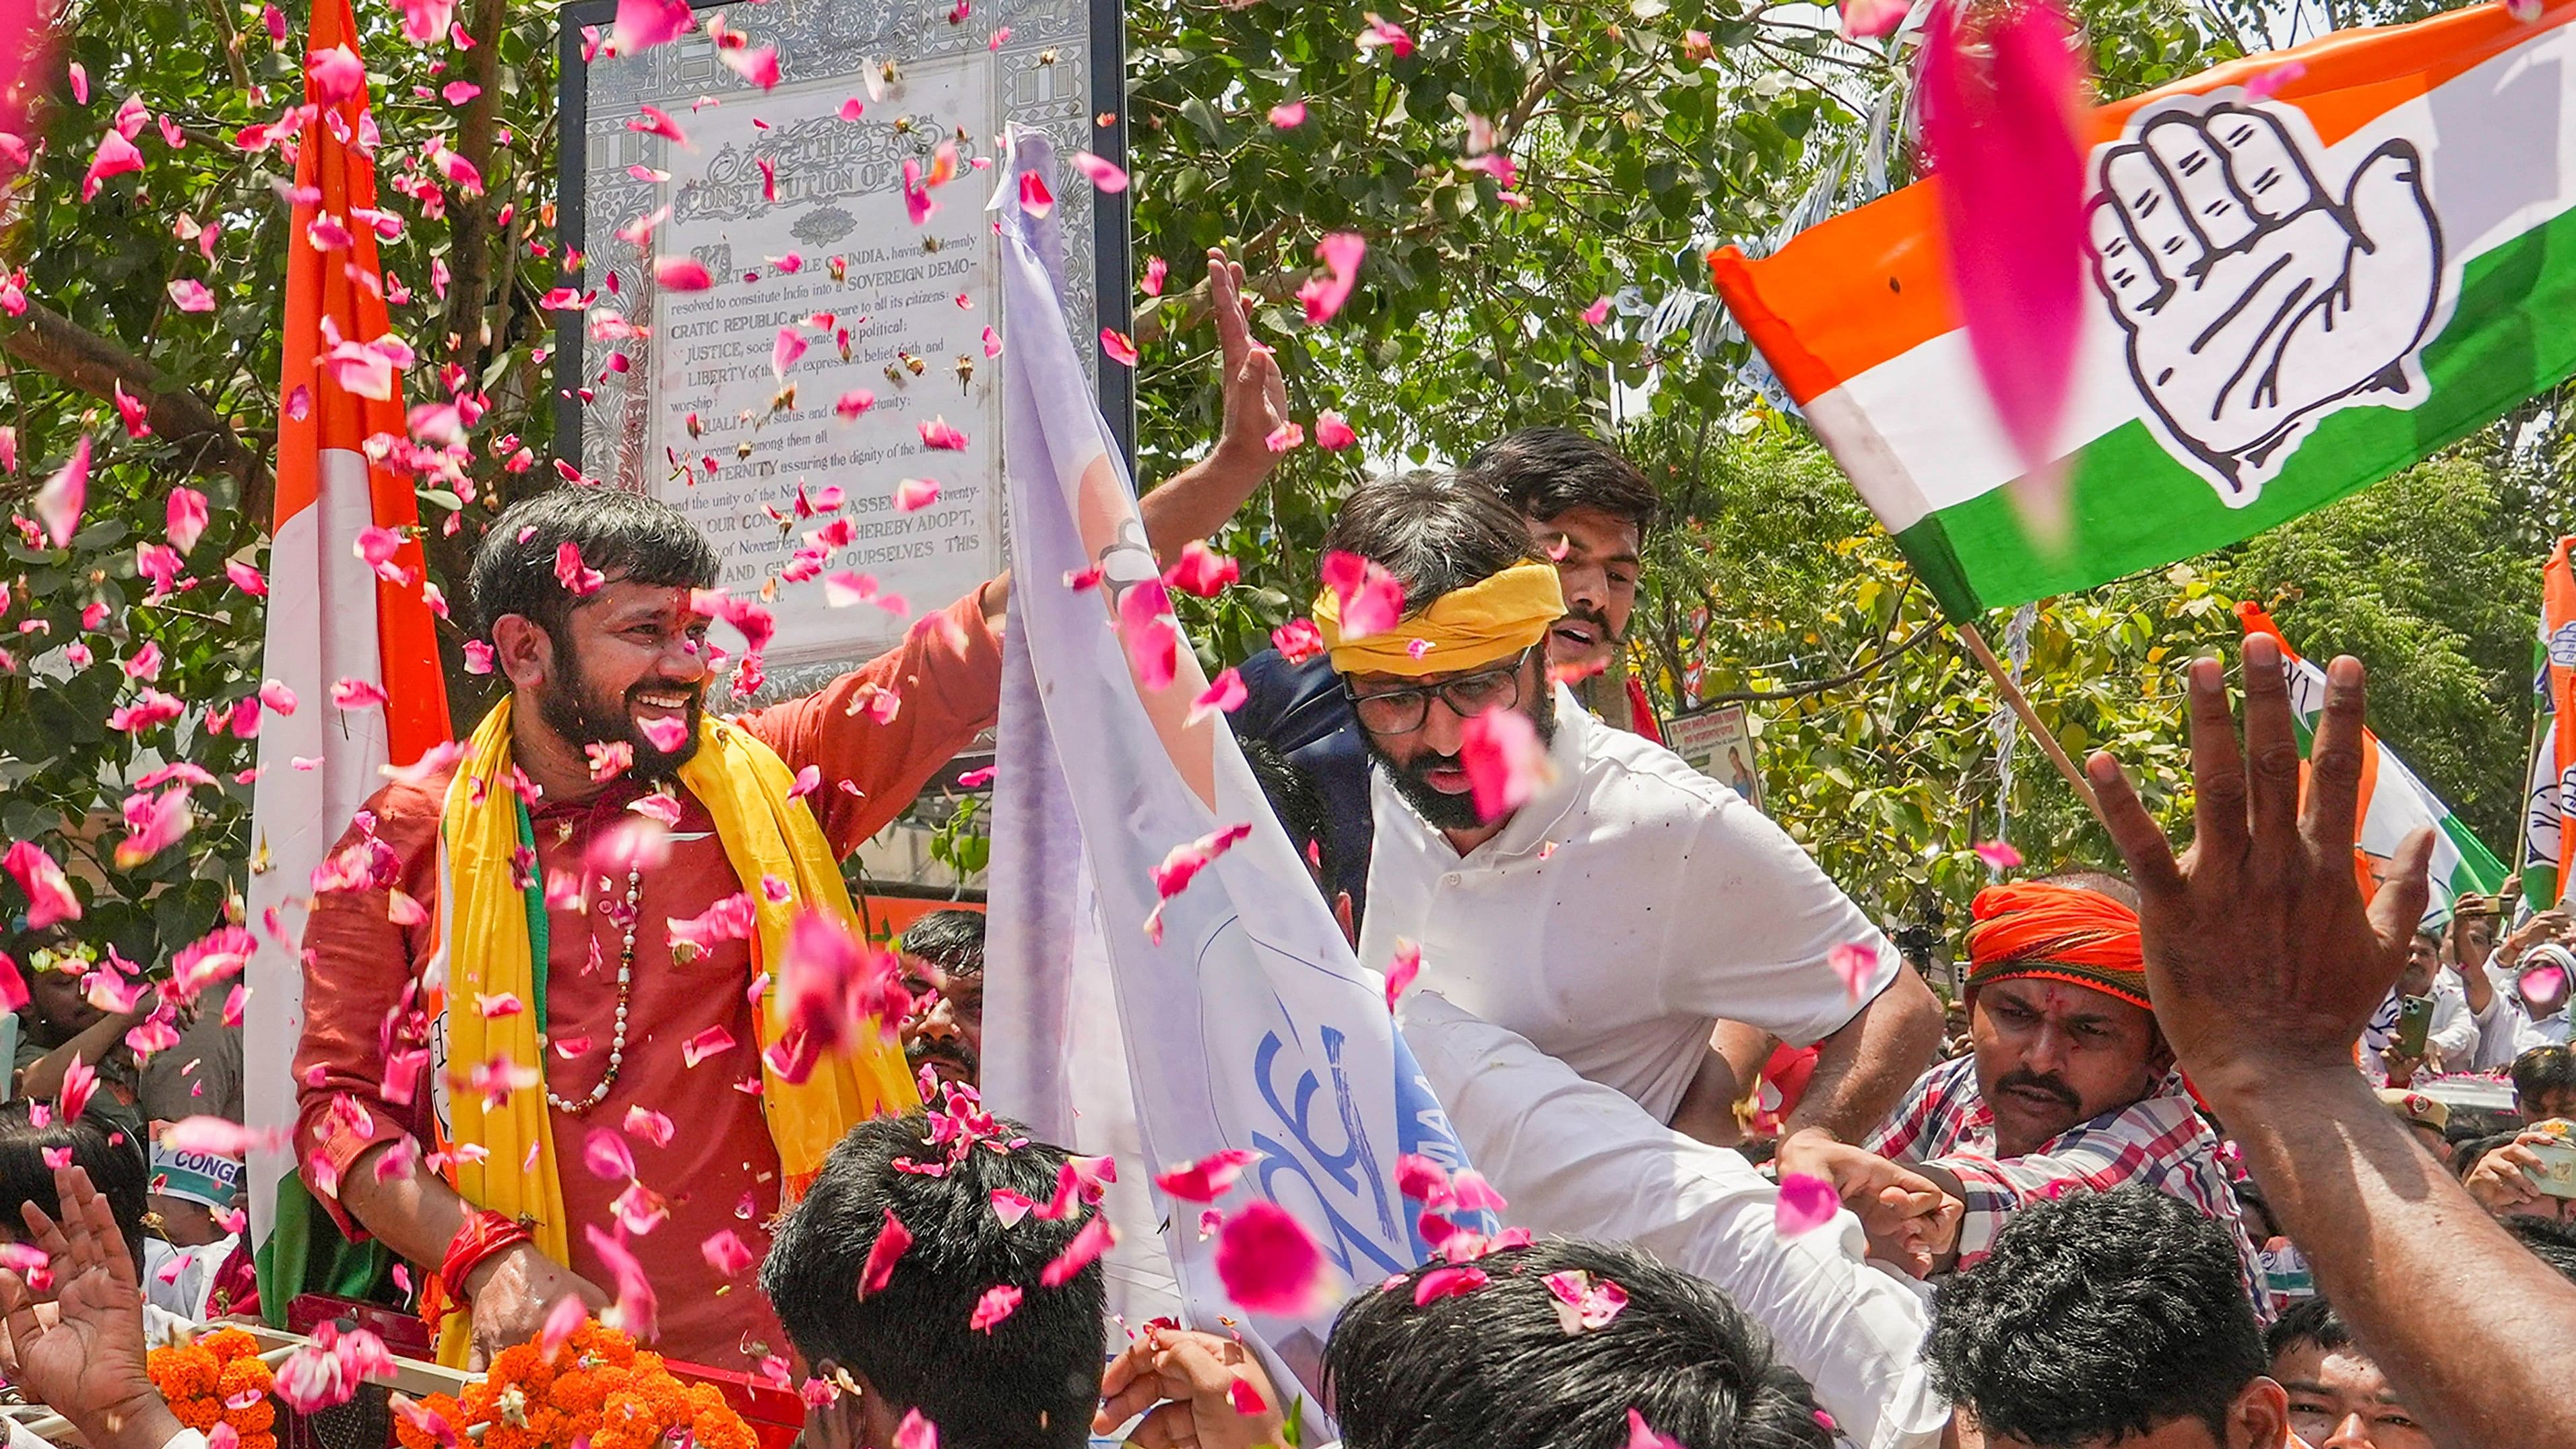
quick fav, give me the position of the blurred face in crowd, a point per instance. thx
(2340, 1400)
(1596, 567)
(2477, 940)
(627, 655)
(1417, 724)
(945, 1030)
(57, 997)
(2052, 1054)
(2423, 959)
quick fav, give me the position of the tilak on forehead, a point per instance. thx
(2059, 933)
(1492, 619)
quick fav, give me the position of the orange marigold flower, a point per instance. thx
(259, 1441)
(259, 1418)
(579, 1391)
(185, 1372)
(230, 1343)
(244, 1375)
(197, 1414)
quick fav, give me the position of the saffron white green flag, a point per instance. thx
(2311, 269)
(2394, 804)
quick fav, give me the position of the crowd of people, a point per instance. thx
(2190, 1179)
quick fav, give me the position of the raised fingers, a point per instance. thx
(2271, 749)
(2156, 218)
(2261, 161)
(2334, 759)
(2134, 832)
(2123, 266)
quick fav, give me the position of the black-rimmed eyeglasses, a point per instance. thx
(1402, 711)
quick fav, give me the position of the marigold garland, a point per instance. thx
(206, 1379)
(598, 1386)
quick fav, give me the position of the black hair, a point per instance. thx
(1542, 472)
(2540, 1071)
(2310, 1320)
(2097, 1316)
(2465, 1154)
(99, 1143)
(953, 941)
(2428, 934)
(1494, 1368)
(2550, 1241)
(622, 534)
(2468, 1122)
(1031, 1382)
(1430, 531)
(1293, 798)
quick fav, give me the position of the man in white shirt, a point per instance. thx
(1622, 907)
(2450, 1043)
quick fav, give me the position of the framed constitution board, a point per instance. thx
(839, 318)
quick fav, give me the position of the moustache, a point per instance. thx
(2046, 1086)
(921, 1050)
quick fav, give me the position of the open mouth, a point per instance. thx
(1447, 779)
(670, 701)
(1579, 635)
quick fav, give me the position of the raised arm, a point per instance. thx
(2264, 964)
(1864, 1068)
(1197, 501)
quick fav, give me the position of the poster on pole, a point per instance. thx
(1719, 744)
(842, 333)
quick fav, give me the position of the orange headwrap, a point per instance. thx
(2062, 932)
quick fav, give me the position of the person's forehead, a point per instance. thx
(1374, 683)
(1590, 531)
(2349, 1372)
(2063, 1001)
(620, 600)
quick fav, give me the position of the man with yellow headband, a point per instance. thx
(1620, 909)
(1586, 510)
(2070, 1086)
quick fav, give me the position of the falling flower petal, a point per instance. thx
(1288, 115)
(1299, 640)
(914, 494)
(1202, 571)
(997, 1303)
(1369, 599)
(1102, 174)
(336, 75)
(60, 501)
(1998, 855)
(1322, 297)
(857, 400)
(681, 274)
(190, 295)
(1152, 636)
(1209, 1178)
(1806, 1204)
(726, 1253)
(1641, 1437)
(1450, 1282)
(115, 156)
(1854, 963)
(2005, 134)
(643, 24)
(1224, 695)
(1504, 760)
(1269, 1263)
(49, 894)
(1035, 198)
(1097, 1237)
(892, 1240)
(1400, 974)
(705, 1044)
(1332, 434)
(1120, 347)
(1871, 19)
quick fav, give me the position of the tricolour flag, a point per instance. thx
(2552, 786)
(331, 617)
(2311, 269)
(1245, 1023)
(2394, 804)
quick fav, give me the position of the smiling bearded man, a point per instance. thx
(601, 886)
(2070, 1086)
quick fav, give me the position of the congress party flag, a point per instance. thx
(1160, 966)
(2552, 786)
(2311, 268)
(2394, 804)
(337, 624)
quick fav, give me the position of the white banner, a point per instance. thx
(1250, 1025)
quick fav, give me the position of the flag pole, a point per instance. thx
(2020, 703)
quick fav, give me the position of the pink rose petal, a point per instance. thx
(1401, 971)
(1806, 1203)
(1269, 1263)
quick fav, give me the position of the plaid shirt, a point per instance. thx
(2159, 1140)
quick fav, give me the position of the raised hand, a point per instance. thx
(87, 1363)
(1197, 1387)
(2261, 956)
(1256, 395)
(1909, 1219)
(2255, 301)
(510, 1293)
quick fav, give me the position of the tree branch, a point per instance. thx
(60, 348)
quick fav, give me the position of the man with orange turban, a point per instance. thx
(2069, 1087)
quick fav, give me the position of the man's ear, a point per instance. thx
(2260, 1417)
(522, 651)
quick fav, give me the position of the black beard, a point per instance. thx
(1439, 809)
(566, 709)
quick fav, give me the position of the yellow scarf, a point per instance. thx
(485, 919)
(1492, 618)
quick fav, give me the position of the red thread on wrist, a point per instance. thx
(485, 1235)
